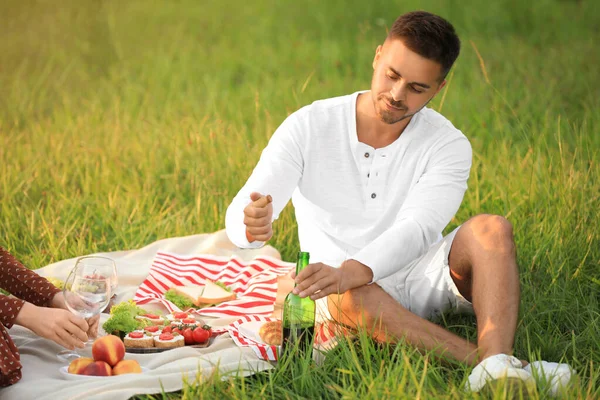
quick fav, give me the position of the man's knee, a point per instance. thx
(492, 232)
(346, 307)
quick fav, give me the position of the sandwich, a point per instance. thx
(202, 296)
(169, 341)
(151, 319)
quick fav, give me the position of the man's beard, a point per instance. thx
(393, 117)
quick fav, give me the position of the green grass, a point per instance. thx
(123, 122)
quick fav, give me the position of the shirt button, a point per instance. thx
(373, 195)
(367, 155)
(368, 175)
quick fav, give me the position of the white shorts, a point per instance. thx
(423, 287)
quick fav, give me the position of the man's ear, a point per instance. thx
(377, 55)
(440, 87)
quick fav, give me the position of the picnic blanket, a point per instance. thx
(167, 371)
(254, 282)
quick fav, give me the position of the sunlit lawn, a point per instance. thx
(125, 122)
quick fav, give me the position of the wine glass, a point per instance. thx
(114, 283)
(88, 289)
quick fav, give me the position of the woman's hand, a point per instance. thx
(93, 326)
(60, 326)
(58, 301)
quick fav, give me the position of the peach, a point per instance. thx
(78, 365)
(127, 367)
(97, 368)
(109, 349)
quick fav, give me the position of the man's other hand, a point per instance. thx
(320, 280)
(258, 216)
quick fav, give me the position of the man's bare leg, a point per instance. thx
(372, 308)
(483, 262)
(483, 255)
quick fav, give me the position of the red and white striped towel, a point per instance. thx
(262, 350)
(254, 282)
(325, 337)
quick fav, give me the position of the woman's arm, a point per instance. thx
(58, 325)
(23, 283)
(29, 310)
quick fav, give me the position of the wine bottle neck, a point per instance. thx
(302, 262)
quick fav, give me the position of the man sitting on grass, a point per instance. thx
(374, 177)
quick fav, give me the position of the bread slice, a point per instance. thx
(210, 293)
(141, 343)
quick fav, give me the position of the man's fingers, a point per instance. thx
(252, 221)
(317, 281)
(306, 272)
(258, 230)
(322, 285)
(257, 218)
(307, 277)
(255, 196)
(303, 286)
(264, 237)
(324, 292)
(312, 290)
(254, 211)
(263, 201)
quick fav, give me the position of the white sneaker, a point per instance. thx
(496, 367)
(556, 375)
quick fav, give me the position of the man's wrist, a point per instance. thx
(356, 273)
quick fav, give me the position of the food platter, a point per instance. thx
(152, 350)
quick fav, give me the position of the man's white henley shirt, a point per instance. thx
(382, 207)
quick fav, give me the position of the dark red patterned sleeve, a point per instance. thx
(22, 283)
(10, 360)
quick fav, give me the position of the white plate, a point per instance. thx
(65, 373)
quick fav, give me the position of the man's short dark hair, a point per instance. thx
(428, 35)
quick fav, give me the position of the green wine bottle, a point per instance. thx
(298, 318)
